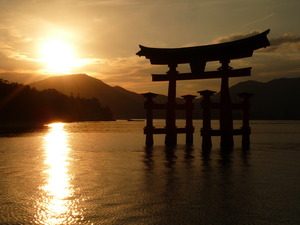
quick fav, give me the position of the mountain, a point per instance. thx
(274, 100)
(123, 103)
(23, 105)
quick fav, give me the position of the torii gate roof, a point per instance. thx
(216, 52)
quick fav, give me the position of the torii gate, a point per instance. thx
(197, 57)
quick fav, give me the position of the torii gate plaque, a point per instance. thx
(197, 58)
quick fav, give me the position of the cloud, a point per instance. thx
(281, 59)
(234, 37)
(291, 42)
(118, 70)
(15, 51)
(286, 38)
(8, 64)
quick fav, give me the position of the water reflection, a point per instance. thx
(192, 185)
(57, 205)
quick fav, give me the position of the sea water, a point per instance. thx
(102, 173)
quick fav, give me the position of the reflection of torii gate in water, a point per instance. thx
(197, 58)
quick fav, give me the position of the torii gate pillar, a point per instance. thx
(171, 133)
(226, 121)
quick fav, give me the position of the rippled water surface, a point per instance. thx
(101, 173)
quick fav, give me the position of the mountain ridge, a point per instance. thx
(24, 105)
(119, 100)
(123, 103)
(275, 99)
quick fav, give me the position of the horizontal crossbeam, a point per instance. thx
(204, 75)
(163, 131)
(233, 105)
(176, 106)
(234, 132)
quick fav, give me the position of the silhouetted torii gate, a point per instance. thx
(197, 57)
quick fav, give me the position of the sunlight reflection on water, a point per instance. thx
(101, 173)
(57, 205)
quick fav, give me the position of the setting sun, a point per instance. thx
(58, 56)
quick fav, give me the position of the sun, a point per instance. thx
(58, 56)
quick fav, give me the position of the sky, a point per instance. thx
(102, 37)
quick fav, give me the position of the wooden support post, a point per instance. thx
(189, 118)
(226, 121)
(171, 133)
(206, 128)
(149, 129)
(246, 130)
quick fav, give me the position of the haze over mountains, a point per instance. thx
(123, 103)
(22, 78)
(276, 99)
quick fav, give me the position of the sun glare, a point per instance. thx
(58, 56)
(57, 206)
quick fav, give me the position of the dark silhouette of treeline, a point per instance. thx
(21, 104)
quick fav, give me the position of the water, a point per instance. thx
(101, 173)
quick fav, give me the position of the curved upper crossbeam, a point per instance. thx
(216, 52)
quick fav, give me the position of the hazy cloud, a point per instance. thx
(234, 37)
(18, 64)
(132, 73)
(281, 59)
(291, 42)
(284, 39)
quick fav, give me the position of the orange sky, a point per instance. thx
(104, 35)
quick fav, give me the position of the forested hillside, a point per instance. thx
(23, 104)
